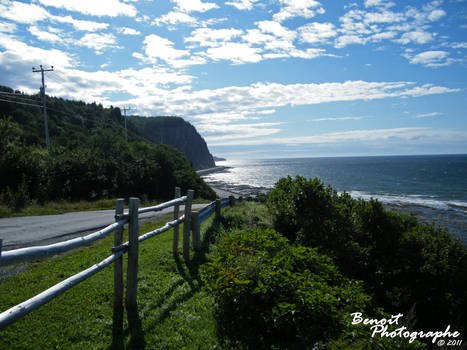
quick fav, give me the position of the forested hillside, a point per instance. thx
(89, 157)
(178, 133)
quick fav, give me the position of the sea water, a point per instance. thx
(433, 187)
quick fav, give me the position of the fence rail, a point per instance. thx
(191, 220)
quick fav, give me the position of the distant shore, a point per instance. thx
(216, 169)
(221, 193)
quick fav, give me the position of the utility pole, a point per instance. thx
(124, 118)
(42, 70)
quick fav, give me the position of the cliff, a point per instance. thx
(178, 133)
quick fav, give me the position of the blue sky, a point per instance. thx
(258, 79)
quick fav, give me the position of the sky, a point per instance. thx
(258, 79)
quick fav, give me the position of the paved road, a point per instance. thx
(26, 231)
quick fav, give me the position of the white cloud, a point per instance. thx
(212, 37)
(462, 45)
(334, 119)
(277, 30)
(111, 8)
(392, 136)
(17, 58)
(194, 5)
(317, 32)
(381, 23)
(417, 37)
(31, 13)
(255, 36)
(345, 40)
(242, 4)
(98, 42)
(436, 15)
(221, 132)
(23, 13)
(298, 8)
(158, 48)
(44, 35)
(238, 99)
(383, 17)
(430, 58)
(428, 115)
(382, 36)
(383, 3)
(88, 26)
(17, 52)
(175, 17)
(128, 31)
(236, 52)
(7, 27)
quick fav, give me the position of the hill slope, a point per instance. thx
(176, 132)
(89, 158)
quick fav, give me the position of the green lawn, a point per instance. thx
(175, 311)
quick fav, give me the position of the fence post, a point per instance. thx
(117, 328)
(218, 208)
(195, 225)
(132, 268)
(187, 226)
(1, 246)
(176, 213)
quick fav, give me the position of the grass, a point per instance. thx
(174, 310)
(61, 207)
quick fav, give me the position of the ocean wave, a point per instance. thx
(417, 200)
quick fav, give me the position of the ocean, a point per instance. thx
(432, 187)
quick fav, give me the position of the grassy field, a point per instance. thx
(174, 310)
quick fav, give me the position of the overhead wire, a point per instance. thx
(19, 97)
(21, 103)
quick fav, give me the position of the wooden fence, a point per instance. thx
(191, 220)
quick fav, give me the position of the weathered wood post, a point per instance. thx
(176, 213)
(132, 268)
(218, 208)
(187, 225)
(195, 231)
(117, 328)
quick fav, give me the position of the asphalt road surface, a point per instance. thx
(27, 231)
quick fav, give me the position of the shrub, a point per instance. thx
(271, 293)
(401, 261)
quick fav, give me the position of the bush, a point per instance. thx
(271, 293)
(403, 263)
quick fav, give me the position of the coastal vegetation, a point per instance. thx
(405, 266)
(287, 273)
(89, 158)
(291, 293)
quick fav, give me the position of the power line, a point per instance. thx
(20, 103)
(18, 98)
(42, 70)
(11, 93)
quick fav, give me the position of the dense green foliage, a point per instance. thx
(89, 158)
(270, 292)
(179, 134)
(404, 264)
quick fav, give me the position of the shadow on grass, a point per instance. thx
(137, 335)
(189, 271)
